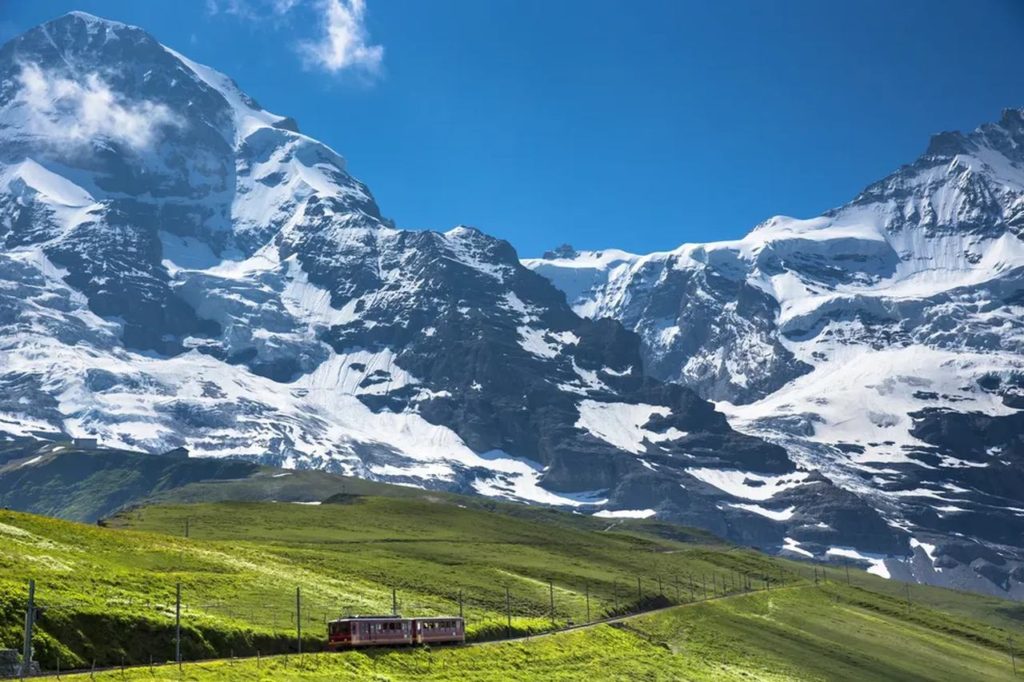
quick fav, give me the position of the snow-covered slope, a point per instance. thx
(880, 343)
(181, 267)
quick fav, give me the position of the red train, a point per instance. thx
(358, 631)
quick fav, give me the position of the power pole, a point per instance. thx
(588, 602)
(186, 527)
(908, 597)
(676, 579)
(177, 625)
(30, 619)
(551, 595)
(704, 584)
(847, 565)
(1013, 658)
(508, 612)
(460, 604)
(298, 619)
(394, 602)
(639, 594)
(714, 584)
(661, 592)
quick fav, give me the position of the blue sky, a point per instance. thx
(634, 125)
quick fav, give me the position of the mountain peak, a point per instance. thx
(90, 20)
(563, 251)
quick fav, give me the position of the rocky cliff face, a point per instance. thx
(880, 343)
(181, 268)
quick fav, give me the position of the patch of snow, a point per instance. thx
(739, 483)
(620, 424)
(791, 545)
(773, 514)
(625, 513)
(876, 561)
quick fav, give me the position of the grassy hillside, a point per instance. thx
(109, 592)
(797, 633)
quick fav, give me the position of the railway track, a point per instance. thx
(81, 672)
(623, 618)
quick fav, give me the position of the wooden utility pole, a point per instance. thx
(1013, 658)
(460, 604)
(639, 594)
(508, 612)
(588, 602)
(298, 619)
(551, 596)
(30, 619)
(177, 625)
(394, 602)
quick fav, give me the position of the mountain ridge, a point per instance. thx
(866, 341)
(204, 276)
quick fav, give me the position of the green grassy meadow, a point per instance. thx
(108, 595)
(787, 634)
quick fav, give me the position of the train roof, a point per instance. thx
(392, 617)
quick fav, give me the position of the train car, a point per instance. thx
(439, 630)
(360, 631)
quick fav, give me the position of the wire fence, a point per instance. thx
(193, 623)
(196, 623)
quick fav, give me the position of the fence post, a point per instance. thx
(30, 619)
(177, 625)
(298, 619)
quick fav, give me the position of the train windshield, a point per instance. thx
(342, 628)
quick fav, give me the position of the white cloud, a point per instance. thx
(343, 45)
(75, 112)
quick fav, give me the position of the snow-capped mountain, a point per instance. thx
(182, 268)
(882, 344)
